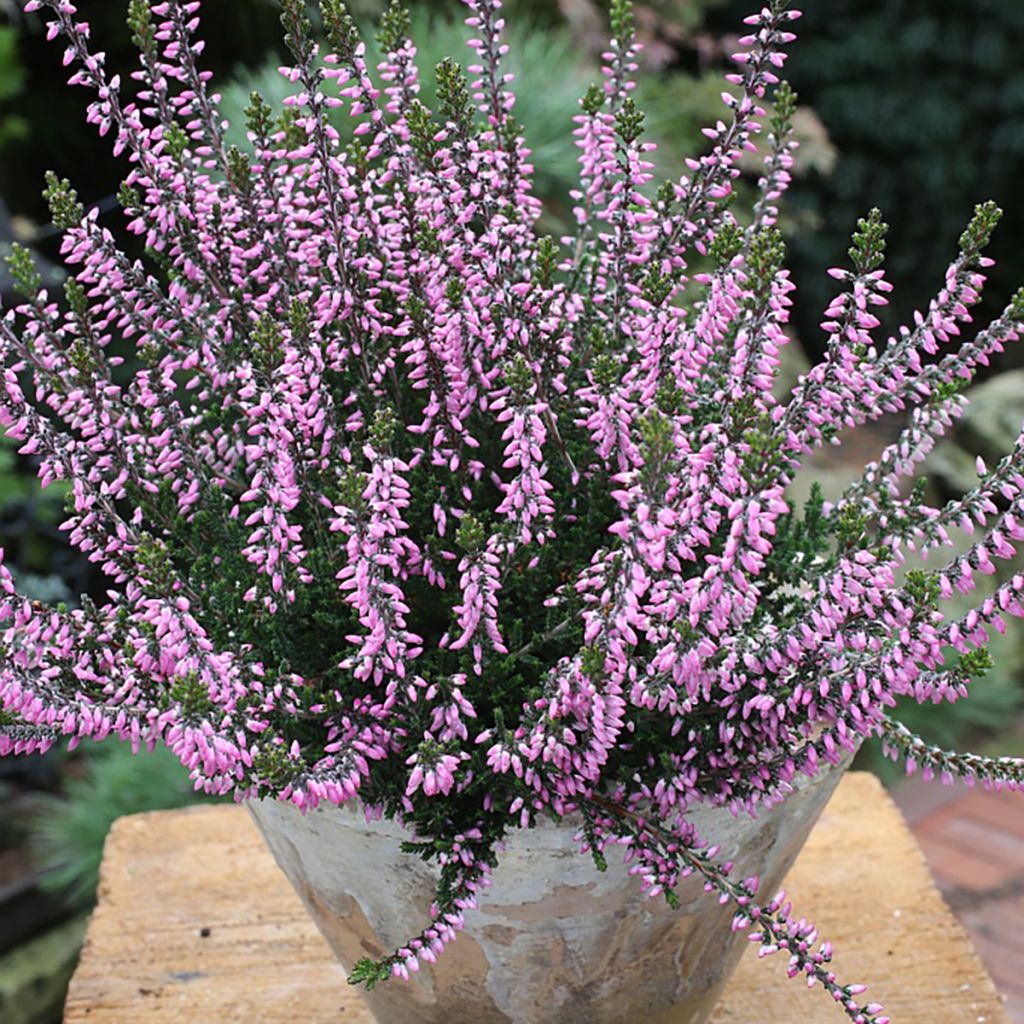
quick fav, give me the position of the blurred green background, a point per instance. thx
(914, 106)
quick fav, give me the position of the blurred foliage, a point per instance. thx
(16, 487)
(924, 101)
(13, 126)
(70, 829)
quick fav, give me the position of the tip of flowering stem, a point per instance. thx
(868, 249)
(979, 231)
(65, 209)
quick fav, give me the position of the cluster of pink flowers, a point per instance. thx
(399, 501)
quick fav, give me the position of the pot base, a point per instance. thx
(554, 940)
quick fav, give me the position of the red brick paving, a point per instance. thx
(973, 841)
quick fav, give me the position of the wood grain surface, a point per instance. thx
(196, 924)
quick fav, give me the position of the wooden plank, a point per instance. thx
(1003, 812)
(960, 866)
(195, 922)
(863, 880)
(1001, 921)
(1003, 960)
(1015, 1007)
(1001, 849)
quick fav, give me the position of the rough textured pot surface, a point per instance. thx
(554, 939)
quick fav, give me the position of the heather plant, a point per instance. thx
(545, 103)
(406, 504)
(675, 105)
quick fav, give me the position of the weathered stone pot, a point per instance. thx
(554, 939)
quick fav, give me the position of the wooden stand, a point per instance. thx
(195, 923)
